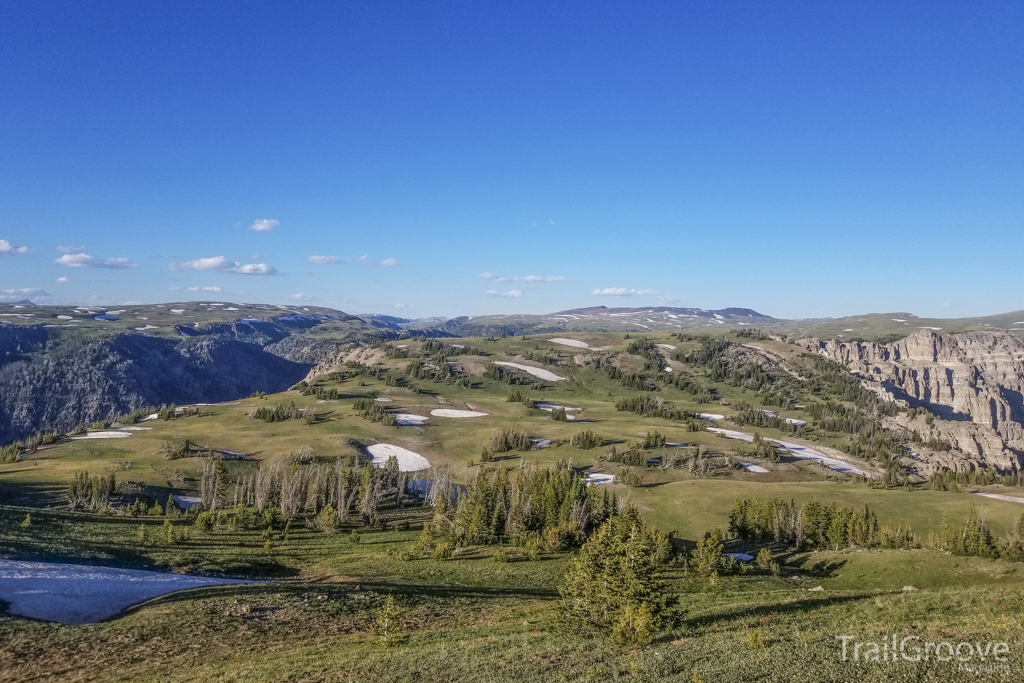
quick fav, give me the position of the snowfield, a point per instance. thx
(408, 419)
(103, 435)
(407, 460)
(798, 451)
(570, 342)
(80, 594)
(539, 373)
(449, 412)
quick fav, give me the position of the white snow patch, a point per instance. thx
(135, 429)
(80, 594)
(409, 419)
(740, 557)
(539, 373)
(936, 329)
(65, 317)
(999, 496)
(147, 327)
(751, 467)
(710, 416)
(407, 460)
(177, 310)
(597, 479)
(384, 399)
(103, 435)
(570, 342)
(798, 451)
(541, 443)
(898, 320)
(448, 412)
(666, 346)
(186, 502)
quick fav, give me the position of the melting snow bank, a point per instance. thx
(449, 412)
(104, 435)
(407, 460)
(539, 373)
(740, 557)
(570, 342)
(710, 416)
(999, 496)
(798, 451)
(596, 479)
(751, 467)
(407, 419)
(80, 594)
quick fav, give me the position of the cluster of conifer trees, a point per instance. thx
(816, 525)
(374, 411)
(555, 504)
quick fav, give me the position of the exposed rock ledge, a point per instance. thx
(974, 381)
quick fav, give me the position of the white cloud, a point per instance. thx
(84, 260)
(62, 280)
(401, 305)
(223, 265)
(523, 278)
(325, 260)
(512, 293)
(364, 259)
(264, 224)
(204, 289)
(621, 291)
(71, 250)
(8, 295)
(8, 248)
(389, 262)
(300, 297)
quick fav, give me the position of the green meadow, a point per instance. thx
(472, 616)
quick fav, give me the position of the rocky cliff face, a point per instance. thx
(973, 381)
(66, 381)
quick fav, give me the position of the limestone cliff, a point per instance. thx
(973, 381)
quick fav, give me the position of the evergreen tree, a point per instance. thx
(613, 585)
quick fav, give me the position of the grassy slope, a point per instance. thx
(471, 618)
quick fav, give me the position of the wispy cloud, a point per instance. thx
(401, 305)
(621, 291)
(264, 224)
(523, 278)
(83, 260)
(511, 294)
(204, 289)
(8, 248)
(9, 295)
(223, 265)
(364, 259)
(62, 280)
(300, 297)
(64, 249)
(389, 262)
(325, 260)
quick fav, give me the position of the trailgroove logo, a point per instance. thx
(971, 657)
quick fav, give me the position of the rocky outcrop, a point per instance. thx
(972, 381)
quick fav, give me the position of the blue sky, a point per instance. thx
(803, 159)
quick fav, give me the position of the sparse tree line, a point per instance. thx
(282, 412)
(374, 412)
(553, 507)
(831, 526)
(652, 406)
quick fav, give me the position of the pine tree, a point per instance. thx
(613, 585)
